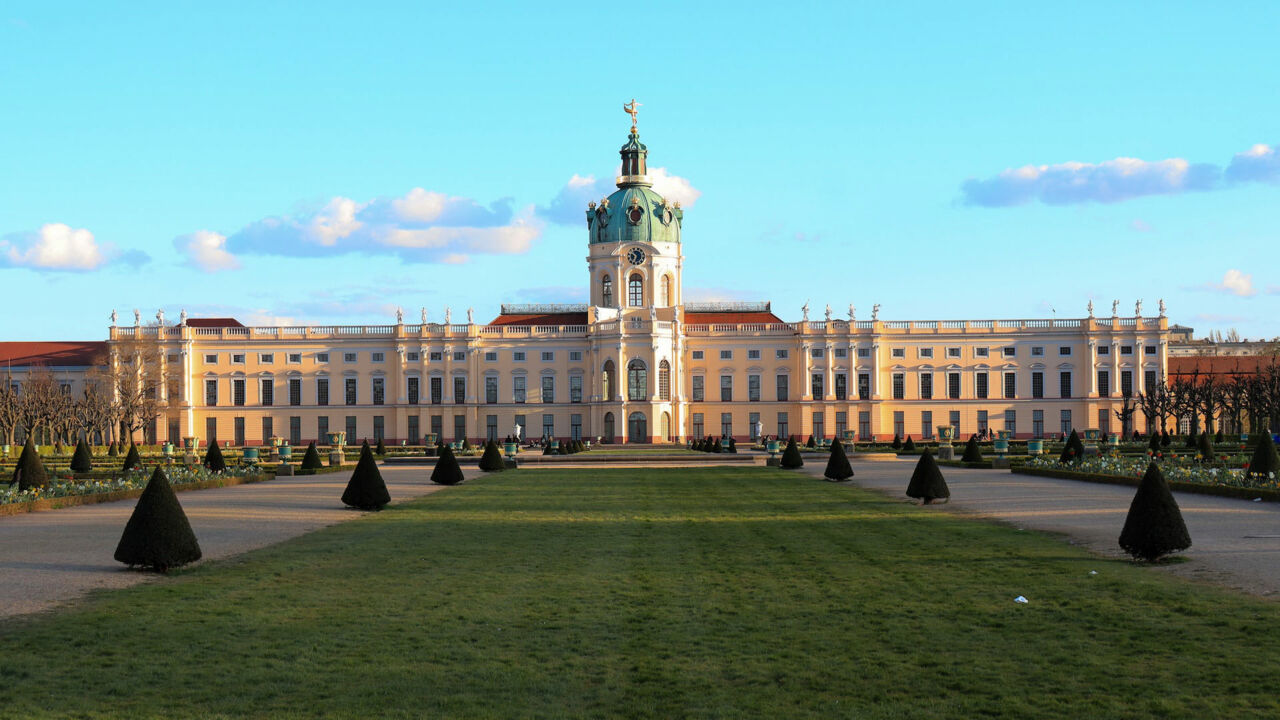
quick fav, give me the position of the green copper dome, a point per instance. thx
(634, 213)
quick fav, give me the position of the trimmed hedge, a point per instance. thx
(1230, 491)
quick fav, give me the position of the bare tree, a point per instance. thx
(132, 374)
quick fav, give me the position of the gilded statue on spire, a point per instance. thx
(632, 108)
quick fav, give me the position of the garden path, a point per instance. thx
(1234, 542)
(48, 558)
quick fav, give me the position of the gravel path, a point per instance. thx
(48, 558)
(1234, 542)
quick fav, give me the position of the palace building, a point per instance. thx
(638, 363)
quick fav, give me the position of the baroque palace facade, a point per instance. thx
(637, 363)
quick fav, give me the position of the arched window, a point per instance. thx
(606, 291)
(635, 291)
(608, 427)
(666, 290)
(607, 376)
(637, 381)
(664, 380)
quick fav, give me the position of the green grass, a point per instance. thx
(719, 592)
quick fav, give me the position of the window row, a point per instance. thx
(295, 358)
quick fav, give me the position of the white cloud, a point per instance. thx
(1236, 283)
(1076, 182)
(1260, 163)
(674, 187)
(262, 317)
(419, 226)
(569, 206)
(206, 250)
(56, 247)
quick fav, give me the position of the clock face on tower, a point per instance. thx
(635, 256)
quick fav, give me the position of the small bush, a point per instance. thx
(897, 442)
(909, 445)
(381, 449)
(133, 461)
(213, 457)
(791, 458)
(158, 534)
(972, 452)
(311, 460)
(1165, 440)
(111, 450)
(838, 463)
(1073, 451)
(491, 461)
(1154, 444)
(1154, 526)
(447, 471)
(811, 443)
(1264, 463)
(366, 489)
(82, 460)
(927, 483)
(1204, 446)
(30, 472)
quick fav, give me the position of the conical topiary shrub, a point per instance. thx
(909, 446)
(1154, 526)
(1204, 445)
(838, 463)
(30, 472)
(733, 445)
(927, 483)
(82, 460)
(897, 442)
(366, 490)
(491, 461)
(1073, 451)
(1192, 440)
(791, 458)
(133, 461)
(213, 457)
(811, 443)
(546, 448)
(382, 447)
(717, 446)
(111, 450)
(1218, 437)
(311, 460)
(1154, 444)
(1265, 462)
(447, 471)
(1165, 440)
(158, 535)
(972, 452)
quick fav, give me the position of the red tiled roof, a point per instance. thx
(51, 354)
(213, 322)
(1222, 366)
(700, 318)
(572, 318)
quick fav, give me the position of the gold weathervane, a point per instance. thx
(632, 108)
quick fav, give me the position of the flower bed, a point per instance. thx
(1184, 474)
(66, 491)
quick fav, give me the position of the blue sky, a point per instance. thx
(328, 162)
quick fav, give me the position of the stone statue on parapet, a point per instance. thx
(1137, 309)
(114, 317)
(448, 315)
(399, 315)
(828, 312)
(804, 309)
(1115, 308)
(137, 317)
(1090, 308)
(852, 313)
(1161, 307)
(182, 317)
(875, 312)
(471, 315)
(424, 316)
(160, 317)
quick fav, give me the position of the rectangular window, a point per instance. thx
(726, 388)
(1064, 384)
(926, 424)
(697, 354)
(899, 386)
(1037, 385)
(842, 386)
(1104, 383)
(726, 354)
(784, 430)
(1037, 351)
(491, 356)
(981, 385)
(1009, 351)
(898, 352)
(211, 359)
(781, 387)
(1011, 421)
(899, 423)
(864, 352)
(1126, 383)
(753, 388)
(210, 430)
(348, 357)
(460, 356)
(437, 390)
(491, 427)
(864, 424)
(953, 352)
(1126, 349)
(926, 386)
(548, 425)
(459, 427)
(575, 356)
(926, 352)
(1148, 349)
(322, 430)
(815, 385)
(955, 421)
(1104, 421)
(548, 356)
(322, 391)
(437, 357)
(1064, 349)
(781, 354)
(1104, 350)
(753, 354)
(698, 388)
(982, 352)
(816, 353)
(1149, 380)
(1066, 421)
(726, 425)
(1010, 385)
(819, 425)
(411, 357)
(953, 385)
(379, 391)
(237, 358)
(211, 393)
(1037, 423)
(842, 424)
(352, 428)
(268, 429)
(664, 382)
(377, 357)
(517, 356)
(864, 386)
(237, 392)
(238, 427)
(459, 390)
(842, 352)
(266, 358)
(982, 422)
(491, 389)
(415, 431)
(437, 426)
(517, 389)
(295, 391)
(575, 426)
(698, 430)
(753, 419)
(548, 389)
(411, 389)
(350, 391)
(322, 357)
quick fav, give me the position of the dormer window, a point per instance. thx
(635, 213)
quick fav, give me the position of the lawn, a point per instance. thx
(718, 592)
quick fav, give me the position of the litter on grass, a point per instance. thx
(1093, 572)
(1020, 599)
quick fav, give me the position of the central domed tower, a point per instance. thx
(634, 239)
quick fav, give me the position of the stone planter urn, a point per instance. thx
(946, 433)
(286, 452)
(336, 442)
(250, 456)
(1035, 447)
(1002, 442)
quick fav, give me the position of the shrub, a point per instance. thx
(897, 442)
(381, 449)
(158, 534)
(810, 443)
(909, 445)
(1073, 451)
(311, 460)
(1154, 444)
(447, 471)
(1165, 440)
(733, 445)
(1191, 440)
(1154, 526)
(838, 463)
(466, 445)
(1205, 447)
(791, 456)
(366, 490)
(82, 460)
(927, 483)
(213, 457)
(546, 448)
(111, 450)
(30, 472)
(1265, 460)
(716, 447)
(972, 453)
(133, 461)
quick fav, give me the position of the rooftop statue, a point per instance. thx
(632, 108)
(852, 314)
(1091, 308)
(875, 312)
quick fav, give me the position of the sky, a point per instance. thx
(326, 163)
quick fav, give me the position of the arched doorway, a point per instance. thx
(608, 427)
(664, 426)
(637, 428)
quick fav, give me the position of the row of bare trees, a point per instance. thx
(118, 400)
(1240, 401)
